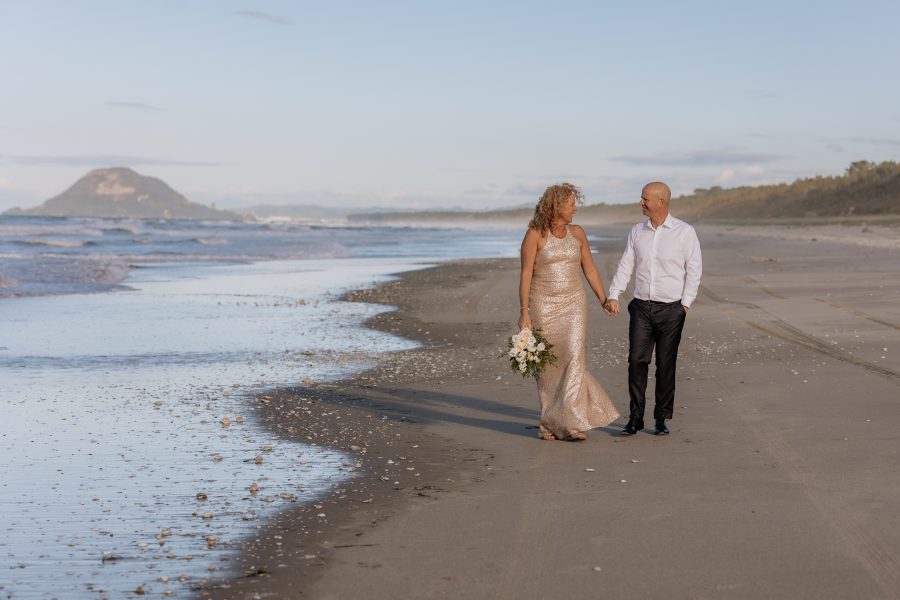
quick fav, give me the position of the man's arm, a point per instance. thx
(623, 273)
(693, 268)
(622, 277)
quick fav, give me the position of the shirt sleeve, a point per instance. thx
(623, 273)
(693, 267)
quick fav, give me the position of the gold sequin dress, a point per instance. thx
(571, 399)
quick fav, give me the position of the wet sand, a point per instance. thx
(778, 480)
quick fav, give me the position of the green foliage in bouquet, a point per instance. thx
(529, 353)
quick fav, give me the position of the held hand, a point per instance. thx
(686, 308)
(605, 306)
(611, 308)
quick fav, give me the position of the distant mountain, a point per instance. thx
(121, 192)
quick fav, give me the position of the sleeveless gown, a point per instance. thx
(571, 399)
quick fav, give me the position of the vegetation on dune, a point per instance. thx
(864, 189)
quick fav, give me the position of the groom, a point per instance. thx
(665, 255)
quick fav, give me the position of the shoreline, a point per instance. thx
(360, 416)
(760, 468)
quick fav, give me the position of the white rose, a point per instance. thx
(532, 340)
(512, 352)
(522, 367)
(541, 347)
(521, 356)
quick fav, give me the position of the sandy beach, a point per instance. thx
(778, 480)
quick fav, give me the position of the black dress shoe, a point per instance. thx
(633, 427)
(661, 428)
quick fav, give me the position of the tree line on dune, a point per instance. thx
(865, 189)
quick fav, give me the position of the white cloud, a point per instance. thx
(749, 175)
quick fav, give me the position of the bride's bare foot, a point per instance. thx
(545, 434)
(576, 436)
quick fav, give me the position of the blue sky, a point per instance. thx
(438, 104)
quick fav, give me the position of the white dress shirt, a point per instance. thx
(666, 262)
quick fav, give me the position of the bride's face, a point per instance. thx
(567, 211)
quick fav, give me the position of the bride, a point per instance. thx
(552, 299)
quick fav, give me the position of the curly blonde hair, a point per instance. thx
(548, 206)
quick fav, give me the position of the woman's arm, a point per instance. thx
(528, 252)
(587, 265)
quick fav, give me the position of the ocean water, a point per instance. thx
(53, 255)
(125, 346)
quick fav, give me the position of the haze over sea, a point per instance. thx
(124, 344)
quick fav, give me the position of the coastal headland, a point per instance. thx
(778, 481)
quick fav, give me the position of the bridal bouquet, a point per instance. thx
(529, 352)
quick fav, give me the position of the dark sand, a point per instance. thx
(779, 480)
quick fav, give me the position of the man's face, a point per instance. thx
(651, 205)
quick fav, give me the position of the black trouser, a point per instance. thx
(653, 324)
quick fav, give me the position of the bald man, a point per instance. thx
(664, 254)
